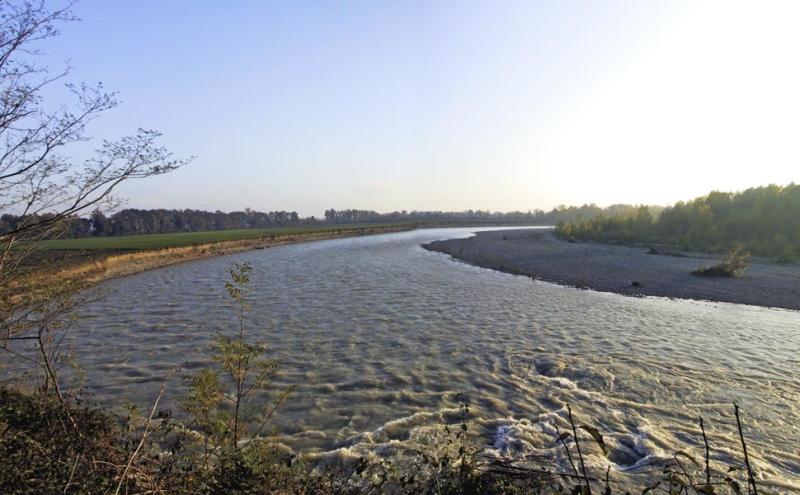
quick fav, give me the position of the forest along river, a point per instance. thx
(380, 336)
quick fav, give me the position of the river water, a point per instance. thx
(381, 336)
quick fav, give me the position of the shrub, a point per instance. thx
(733, 264)
(223, 401)
(44, 445)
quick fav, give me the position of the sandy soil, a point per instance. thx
(623, 270)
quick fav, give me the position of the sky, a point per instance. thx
(447, 105)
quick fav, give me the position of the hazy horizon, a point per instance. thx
(452, 106)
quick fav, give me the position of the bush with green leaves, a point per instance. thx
(733, 264)
(228, 403)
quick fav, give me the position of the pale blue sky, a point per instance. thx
(446, 105)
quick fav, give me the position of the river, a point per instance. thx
(381, 336)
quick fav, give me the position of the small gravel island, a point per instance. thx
(631, 271)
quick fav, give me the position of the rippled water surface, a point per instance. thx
(380, 336)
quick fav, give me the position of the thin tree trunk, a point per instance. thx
(47, 364)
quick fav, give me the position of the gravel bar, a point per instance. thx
(630, 271)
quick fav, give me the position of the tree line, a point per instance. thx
(133, 221)
(765, 220)
(535, 217)
(136, 221)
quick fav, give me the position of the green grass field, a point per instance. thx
(162, 241)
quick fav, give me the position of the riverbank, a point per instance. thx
(94, 266)
(623, 270)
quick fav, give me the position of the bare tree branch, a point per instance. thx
(44, 190)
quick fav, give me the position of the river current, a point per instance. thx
(383, 339)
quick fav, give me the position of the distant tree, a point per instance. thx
(100, 224)
(764, 220)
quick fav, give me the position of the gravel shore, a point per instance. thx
(631, 271)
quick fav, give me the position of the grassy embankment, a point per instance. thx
(183, 239)
(95, 259)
